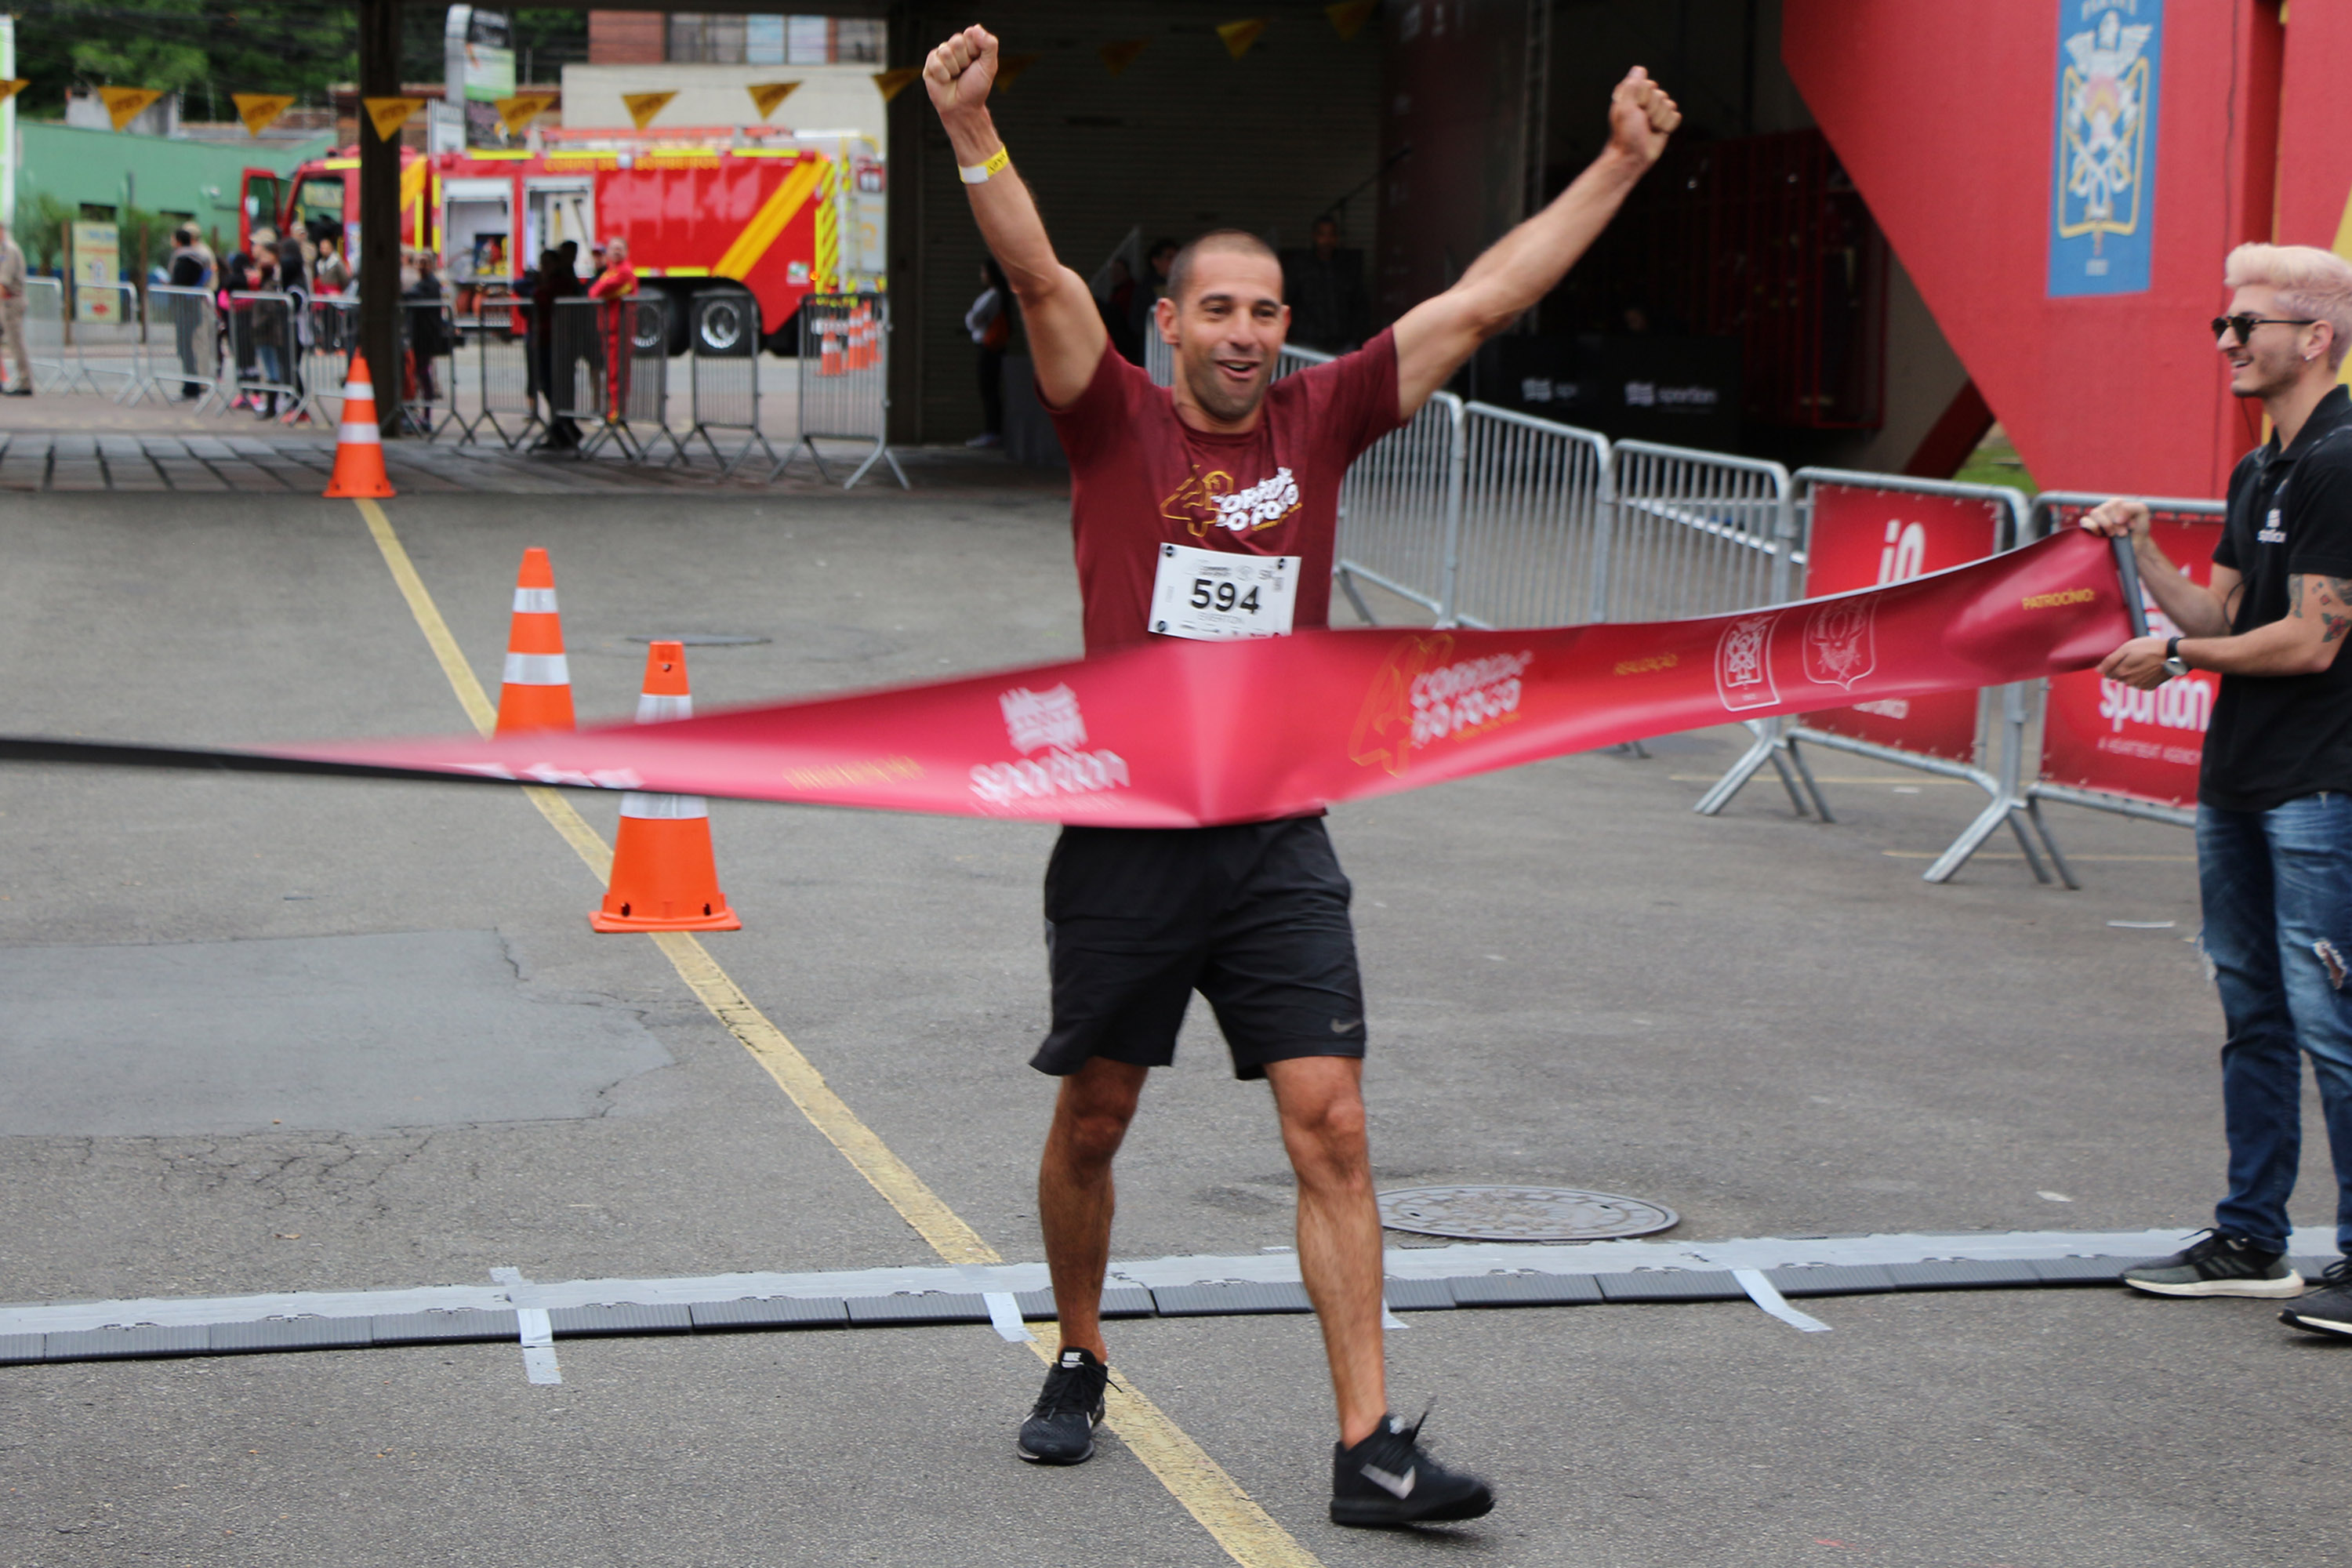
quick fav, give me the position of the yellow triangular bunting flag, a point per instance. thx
(1349, 16)
(1118, 55)
(644, 106)
(766, 95)
(520, 110)
(389, 114)
(12, 86)
(1240, 36)
(894, 82)
(125, 104)
(1009, 67)
(259, 110)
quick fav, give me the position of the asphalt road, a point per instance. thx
(278, 1034)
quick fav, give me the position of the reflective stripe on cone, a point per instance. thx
(663, 876)
(536, 693)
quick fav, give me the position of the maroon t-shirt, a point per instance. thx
(1141, 477)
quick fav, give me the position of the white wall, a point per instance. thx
(830, 97)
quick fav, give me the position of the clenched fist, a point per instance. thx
(960, 73)
(1640, 116)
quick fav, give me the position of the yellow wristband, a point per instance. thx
(980, 174)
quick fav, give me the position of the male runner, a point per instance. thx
(1212, 512)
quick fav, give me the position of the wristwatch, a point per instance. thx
(2173, 663)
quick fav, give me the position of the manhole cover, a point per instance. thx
(707, 639)
(1521, 1214)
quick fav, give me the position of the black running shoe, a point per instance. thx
(2218, 1265)
(1388, 1480)
(2328, 1310)
(1061, 1425)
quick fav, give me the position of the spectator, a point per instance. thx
(422, 305)
(617, 285)
(989, 322)
(239, 276)
(330, 276)
(1148, 291)
(295, 284)
(1325, 289)
(191, 268)
(12, 313)
(269, 325)
(2274, 791)
(558, 348)
(1117, 310)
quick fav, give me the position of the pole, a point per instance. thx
(379, 269)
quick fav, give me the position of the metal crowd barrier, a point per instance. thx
(106, 337)
(1534, 508)
(508, 390)
(182, 345)
(724, 388)
(1992, 752)
(265, 340)
(327, 350)
(2105, 774)
(428, 367)
(844, 384)
(609, 368)
(45, 331)
(1159, 360)
(1693, 533)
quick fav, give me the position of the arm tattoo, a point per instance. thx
(2294, 595)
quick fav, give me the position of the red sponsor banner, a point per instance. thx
(2100, 735)
(1178, 734)
(1868, 538)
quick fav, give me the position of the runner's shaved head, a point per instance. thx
(1231, 241)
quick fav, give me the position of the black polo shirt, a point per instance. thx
(2274, 738)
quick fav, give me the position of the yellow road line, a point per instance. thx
(1246, 1532)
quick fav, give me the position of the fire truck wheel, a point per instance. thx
(726, 323)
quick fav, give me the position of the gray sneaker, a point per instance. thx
(2328, 1310)
(2219, 1265)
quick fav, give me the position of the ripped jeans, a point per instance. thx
(2277, 890)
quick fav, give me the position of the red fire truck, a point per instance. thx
(768, 214)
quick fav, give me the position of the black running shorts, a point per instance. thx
(1254, 916)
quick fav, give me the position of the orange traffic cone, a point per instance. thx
(359, 444)
(857, 359)
(828, 361)
(537, 694)
(663, 876)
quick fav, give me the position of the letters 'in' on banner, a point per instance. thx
(1868, 539)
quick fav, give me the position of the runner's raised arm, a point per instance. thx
(1066, 330)
(1435, 336)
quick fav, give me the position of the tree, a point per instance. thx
(41, 222)
(301, 46)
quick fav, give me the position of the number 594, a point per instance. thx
(1223, 597)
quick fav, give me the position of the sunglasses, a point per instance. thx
(2242, 326)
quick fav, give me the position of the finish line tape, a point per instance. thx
(1173, 733)
(1760, 1292)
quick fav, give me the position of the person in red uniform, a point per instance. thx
(617, 285)
(1209, 510)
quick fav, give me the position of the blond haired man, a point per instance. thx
(2275, 797)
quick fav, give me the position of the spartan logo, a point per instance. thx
(1743, 664)
(1036, 719)
(1841, 644)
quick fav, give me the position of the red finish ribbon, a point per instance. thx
(1173, 733)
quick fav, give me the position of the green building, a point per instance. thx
(103, 175)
